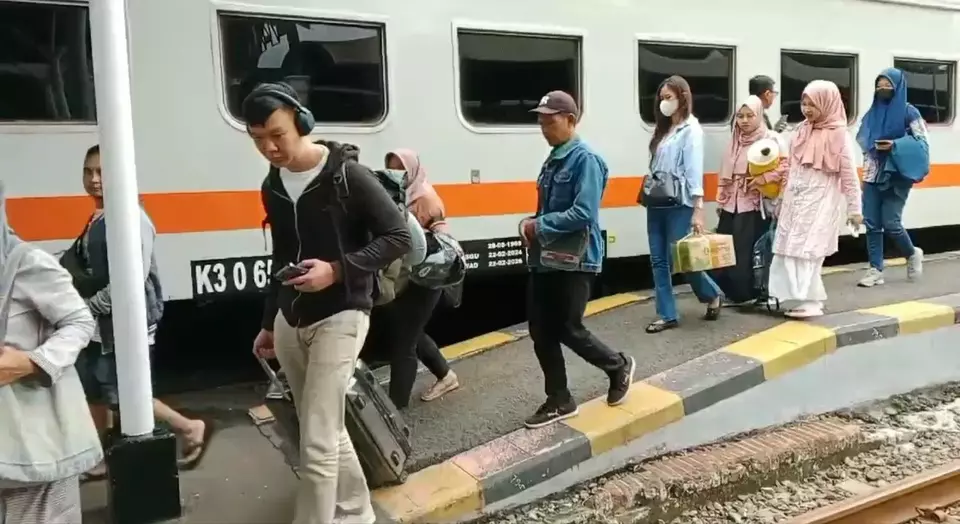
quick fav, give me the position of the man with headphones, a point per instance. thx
(332, 226)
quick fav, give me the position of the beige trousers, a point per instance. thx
(319, 361)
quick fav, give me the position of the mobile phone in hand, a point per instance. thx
(290, 271)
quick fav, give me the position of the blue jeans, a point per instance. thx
(882, 212)
(664, 228)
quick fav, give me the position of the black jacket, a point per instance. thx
(365, 232)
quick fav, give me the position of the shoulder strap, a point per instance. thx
(12, 266)
(340, 182)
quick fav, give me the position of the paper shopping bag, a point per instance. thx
(703, 252)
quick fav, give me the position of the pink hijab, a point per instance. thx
(819, 144)
(417, 185)
(735, 158)
(422, 199)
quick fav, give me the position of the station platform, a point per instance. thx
(470, 449)
(503, 385)
(243, 479)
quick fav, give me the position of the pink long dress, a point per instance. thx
(815, 207)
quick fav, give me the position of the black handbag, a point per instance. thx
(660, 190)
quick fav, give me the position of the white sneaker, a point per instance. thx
(874, 277)
(915, 264)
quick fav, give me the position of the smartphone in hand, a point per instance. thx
(289, 271)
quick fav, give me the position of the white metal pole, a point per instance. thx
(111, 70)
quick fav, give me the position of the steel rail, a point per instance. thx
(897, 503)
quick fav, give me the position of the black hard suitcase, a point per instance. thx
(380, 436)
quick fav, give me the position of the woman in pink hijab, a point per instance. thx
(743, 210)
(400, 324)
(822, 191)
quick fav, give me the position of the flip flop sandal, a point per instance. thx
(187, 463)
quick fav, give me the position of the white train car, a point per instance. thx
(453, 80)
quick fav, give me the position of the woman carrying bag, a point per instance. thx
(673, 196)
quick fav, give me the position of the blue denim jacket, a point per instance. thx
(570, 186)
(680, 153)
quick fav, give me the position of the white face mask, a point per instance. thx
(668, 107)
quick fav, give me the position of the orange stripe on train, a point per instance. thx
(62, 217)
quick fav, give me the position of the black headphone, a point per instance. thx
(303, 118)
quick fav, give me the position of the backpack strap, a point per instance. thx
(9, 277)
(340, 183)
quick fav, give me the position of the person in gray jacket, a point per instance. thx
(48, 437)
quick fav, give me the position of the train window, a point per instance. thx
(338, 68)
(930, 87)
(46, 70)
(799, 68)
(708, 70)
(504, 75)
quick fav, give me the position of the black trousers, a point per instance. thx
(397, 331)
(556, 301)
(737, 282)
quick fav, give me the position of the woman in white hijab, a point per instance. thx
(47, 437)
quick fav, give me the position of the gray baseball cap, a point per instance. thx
(556, 102)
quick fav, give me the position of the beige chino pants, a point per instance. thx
(319, 361)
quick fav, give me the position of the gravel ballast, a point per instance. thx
(909, 433)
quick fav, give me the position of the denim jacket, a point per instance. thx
(569, 189)
(680, 153)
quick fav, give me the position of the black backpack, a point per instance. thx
(390, 280)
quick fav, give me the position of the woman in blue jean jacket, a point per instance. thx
(677, 148)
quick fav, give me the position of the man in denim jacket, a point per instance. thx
(565, 256)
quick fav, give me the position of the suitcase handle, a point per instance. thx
(272, 375)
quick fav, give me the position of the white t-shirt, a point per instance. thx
(296, 182)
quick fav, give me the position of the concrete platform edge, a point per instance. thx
(495, 339)
(466, 483)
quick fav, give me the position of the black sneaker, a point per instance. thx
(551, 412)
(621, 381)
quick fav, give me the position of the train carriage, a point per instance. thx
(454, 80)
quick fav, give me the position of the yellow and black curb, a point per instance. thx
(466, 483)
(483, 343)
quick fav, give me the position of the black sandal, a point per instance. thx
(659, 326)
(713, 312)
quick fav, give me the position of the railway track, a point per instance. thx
(921, 495)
